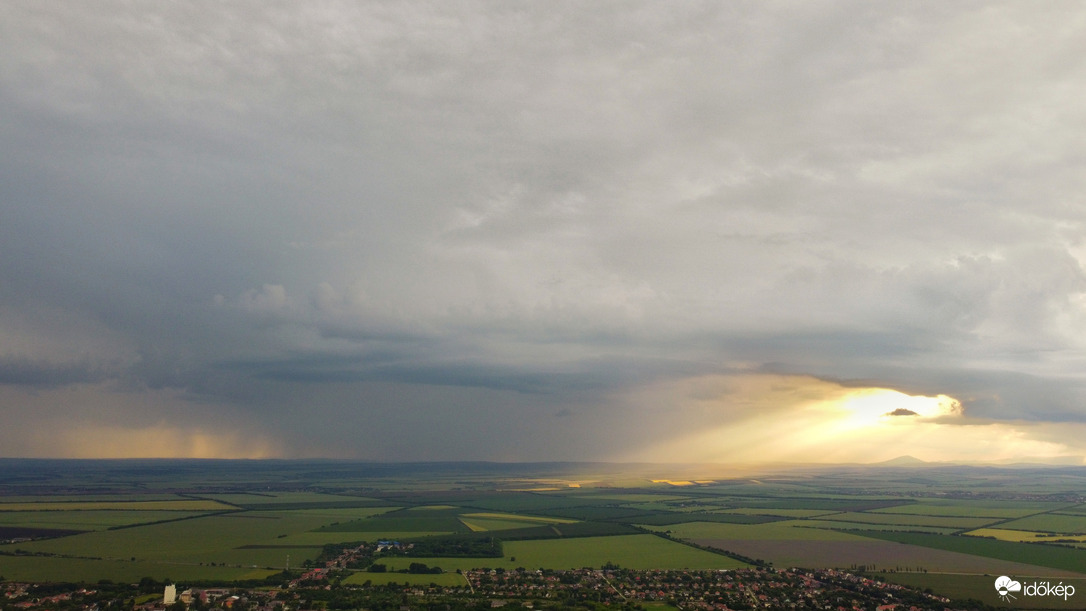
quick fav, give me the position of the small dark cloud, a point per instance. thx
(901, 411)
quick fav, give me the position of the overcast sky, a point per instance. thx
(543, 231)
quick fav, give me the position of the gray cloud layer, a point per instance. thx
(356, 221)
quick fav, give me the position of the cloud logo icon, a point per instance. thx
(1005, 585)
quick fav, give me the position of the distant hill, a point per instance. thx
(901, 461)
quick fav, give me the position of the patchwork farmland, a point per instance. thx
(257, 525)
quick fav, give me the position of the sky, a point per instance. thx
(734, 232)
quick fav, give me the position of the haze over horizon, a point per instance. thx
(698, 232)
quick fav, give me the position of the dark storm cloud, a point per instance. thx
(372, 212)
(595, 375)
(23, 372)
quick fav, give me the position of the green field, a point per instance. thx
(179, 505)
(33, 568)
(448, 524)
(978, 508)
(654, 507)
(519, 518)
(279, 498)
(1050, 522)
(532, 502)
(166, 519)
(484, 522)
(774, 531)
(825, 504)
(638, 497)
(1029, 553)
(783, 513)
(91, 497)
(628, 551)
(910, 520)
(218, 539)
(600, 512)
(339, 514)
(317, 539)
(485, 525)
(665, 519)
(831, 524)
(89, 519)
(1075, 509)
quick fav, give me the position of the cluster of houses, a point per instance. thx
(719, 590)
(212, 596)
(706, 590)
(20, 590)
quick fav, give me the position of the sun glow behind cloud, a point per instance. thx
(801, 419)
(866, 407)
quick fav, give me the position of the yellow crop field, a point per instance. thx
(1006, 534)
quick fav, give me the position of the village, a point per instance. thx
(516, 590)
(702, 590)
(321, 587)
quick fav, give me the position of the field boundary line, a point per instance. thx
(706, 548)
(1032, 515)
(181, 519)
